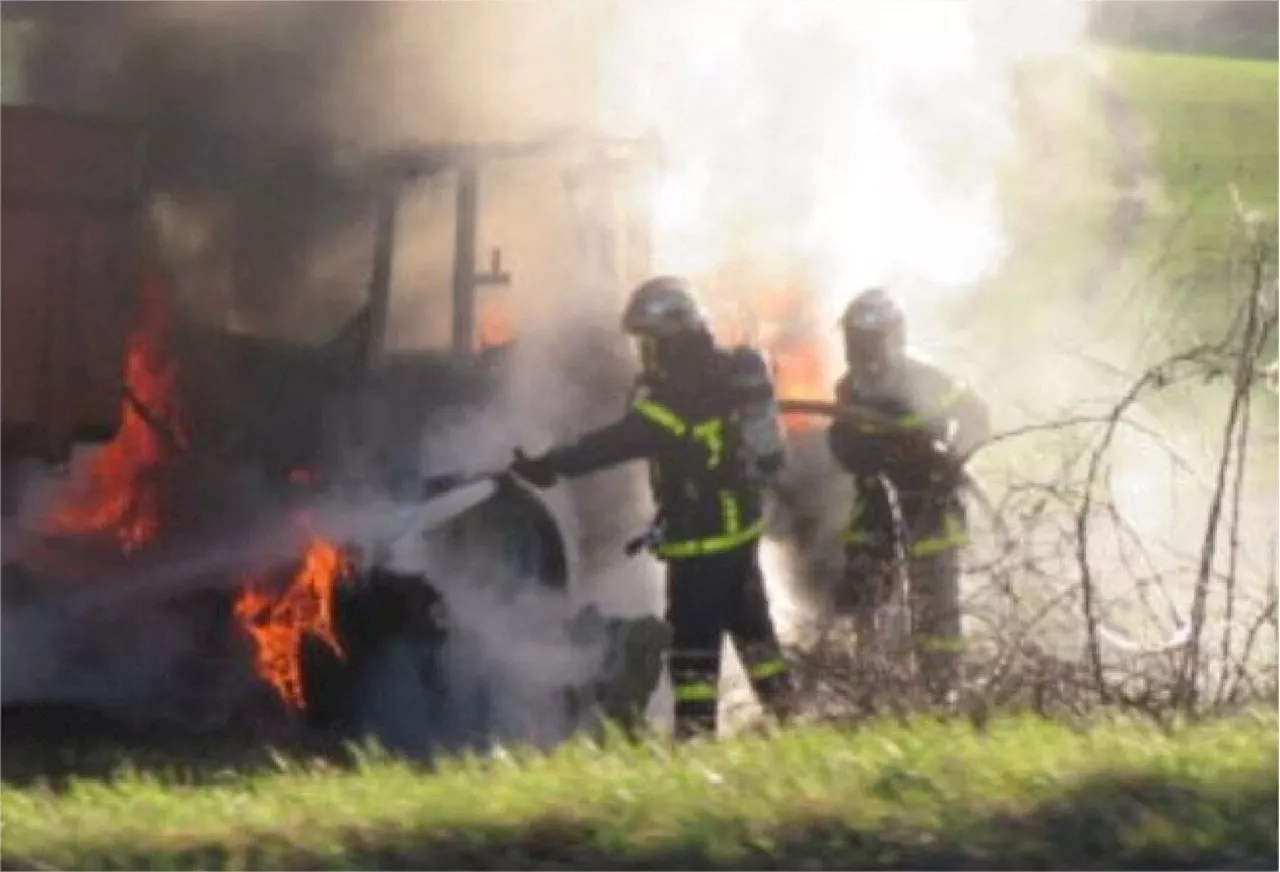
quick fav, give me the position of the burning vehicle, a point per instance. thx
(216, 531)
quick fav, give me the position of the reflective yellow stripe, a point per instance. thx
(953, 397)
(661, 415)
(696, 691)
(711, 434)
(916, 420)
(939, 644)
(730, 517)
(768, 668)
(953, 535)
(713, 544)
(852, 535)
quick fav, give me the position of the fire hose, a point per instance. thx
(1178, 639)
(651, 538)
(883, 422)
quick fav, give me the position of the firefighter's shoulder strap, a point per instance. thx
(710, 433)
(645, 404)
(938, 392)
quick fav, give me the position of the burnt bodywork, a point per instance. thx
(70, 193)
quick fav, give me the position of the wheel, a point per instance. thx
(515, 532)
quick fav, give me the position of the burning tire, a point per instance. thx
(387, 676)
(493, 654)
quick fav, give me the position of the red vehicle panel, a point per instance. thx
(69, 257)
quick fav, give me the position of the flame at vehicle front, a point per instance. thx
(278, 623)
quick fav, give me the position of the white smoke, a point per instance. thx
(846, 143)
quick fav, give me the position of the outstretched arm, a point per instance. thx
(631, 437)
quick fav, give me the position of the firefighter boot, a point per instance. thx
(695, 681)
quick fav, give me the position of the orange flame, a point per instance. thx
(780, 323)
(277, 624)
(494, 322)
(124, 491)
(800, 372)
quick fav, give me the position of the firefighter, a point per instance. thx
(705, 419)
(908, 451)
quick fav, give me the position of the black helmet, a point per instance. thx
(668, 322)
(875, 332)
(663, 307)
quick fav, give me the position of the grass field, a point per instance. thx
(1210, 127)
(1120, 208)
(1201, 125)
(1021, 794)
(1213, 122)
(1214, 119)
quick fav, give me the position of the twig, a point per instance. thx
(1188, 691)
(1237, 496)
(1157, 375)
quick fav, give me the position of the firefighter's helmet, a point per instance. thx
(667, 320)
(874, 328)
(663, 307)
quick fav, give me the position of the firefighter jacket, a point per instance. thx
(688, 427)
(926, 407)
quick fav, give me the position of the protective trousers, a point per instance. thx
(708, 596)
(935, 621)
(935, 530)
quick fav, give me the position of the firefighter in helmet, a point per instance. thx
(705, 419)
(906, 454)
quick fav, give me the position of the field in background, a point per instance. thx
(1213, 120)
(1124, 201)
(1019, 794)
(1211, 136)
(1124, 184)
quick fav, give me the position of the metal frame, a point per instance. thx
(465, 160)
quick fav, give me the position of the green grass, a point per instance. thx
(1022, 794)
(1211, 125)
(1214, 121)
(1202, 124)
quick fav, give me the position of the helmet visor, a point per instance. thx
(870, 351)
(647, 353)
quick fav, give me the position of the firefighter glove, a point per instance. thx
(538, 471)
(947, 468)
